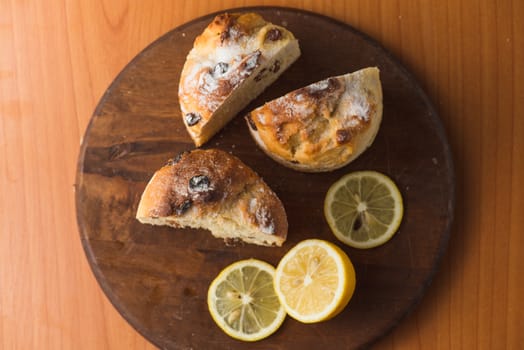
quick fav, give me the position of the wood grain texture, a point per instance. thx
(58, 57)
(157, 277)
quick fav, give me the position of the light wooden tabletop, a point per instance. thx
(58, 57)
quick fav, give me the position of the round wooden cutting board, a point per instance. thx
(157, 277)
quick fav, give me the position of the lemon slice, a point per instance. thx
(242, 300)
(314, 281)
(364, 209)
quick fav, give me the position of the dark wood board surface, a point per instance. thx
(157, 277)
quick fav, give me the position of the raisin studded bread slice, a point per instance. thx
(214, 190)
(323, 126)
(232, 62)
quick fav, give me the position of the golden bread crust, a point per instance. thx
(322, 126)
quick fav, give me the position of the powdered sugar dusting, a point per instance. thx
(239, 53)
(359, 106)
(215, 81)
(226, 53)
(265, 221)
(208, 83)
(252, 205)
(354, 108)
(285, 108)
(318, 86)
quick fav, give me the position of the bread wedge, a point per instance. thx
(214, 190)
(236, 57)
(323, 126)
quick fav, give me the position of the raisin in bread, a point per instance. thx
(232, 61)
(214, 190)
(323, 126)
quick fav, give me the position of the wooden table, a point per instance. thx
(57, 60)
